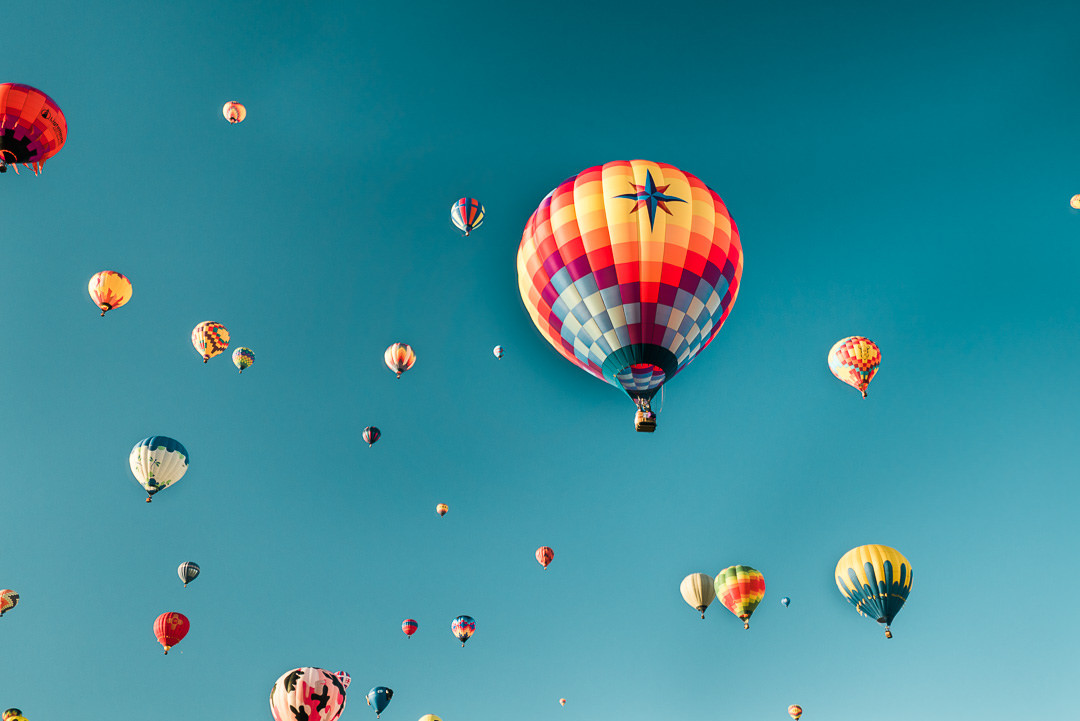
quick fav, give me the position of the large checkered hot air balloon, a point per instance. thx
(32, 127)
(630, 269)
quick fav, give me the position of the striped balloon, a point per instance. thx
(629, 270)
(158, 462)
(370, 435)
(463, 627)
(243, 358)
(544, 556)
(876, 580)
(855, 361)
(32, 127)
(234, 112)
(740, 589)
(109, 289)
(188, 571)
(409, 626)
(399, 357)
(467, 214)
(8, 600)
(209, 339)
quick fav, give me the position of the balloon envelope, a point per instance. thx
(442, 509)
(158, 462)
(785, 601)
(370, 435)
(307, 693)
(698, 590)
(629, 270)
(1075, 201)
(544, 556)
(409, 626)
(399, 357)
(855, 361)
(740, 589)
(498, 351)
(188, 571)
(876, 580)
(467, 214)
(170, 628)
(8, 600)
(32, 127)
(378, 698)
(109, 289)
(463, 627)
(234, 112)
(345, 679)
(430, 717)
(243, 358)
(209, 339)
(794, 711)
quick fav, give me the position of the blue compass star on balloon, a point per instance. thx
(651, 196)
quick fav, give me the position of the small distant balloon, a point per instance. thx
(544, 556)
(209, 339)
(1075, 202)
(463, 627)
(378, 698)
(498, 351)
(467, 214)
(370, 435)
(785, 601)
(109, 289)
(188, 572)
(562, 702)
(698, 590)
(409, 626)
(441, 509)
(243, 358)
(170, 629)
(8, 600)
(855, 361)
(399, 357)
(234, 112)
(794, 711)
(345, 678)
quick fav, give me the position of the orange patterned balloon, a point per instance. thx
(209, 339)
(794, 711)
(399, 358)
(109, 289)
(855, 361)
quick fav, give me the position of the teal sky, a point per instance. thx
(899, 172)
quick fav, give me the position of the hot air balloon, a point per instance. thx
(441, 509)
(189, 571)
(498, 351)
(13, 714)
(467, 214)
(399, 358)
(209, 339)
(378, 698)
(430, 717)
(313, 694)
(234, 112)
(243, 358)
(109, 289)
(345, 679)
(794, 711)
(8, 600)
(1075, 202)
(697, 590)
(785, 601)
(629, 270)
(876, 580)
(544, 555)
(370, 435)
(170, 629)
(463, 627)
(32, 127)
(562, 702)
(855, 361)
(740, 589)
(158, 462)
(409, 626)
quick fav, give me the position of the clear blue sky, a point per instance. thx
(896, 172)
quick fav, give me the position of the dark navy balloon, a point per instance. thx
(378, 698)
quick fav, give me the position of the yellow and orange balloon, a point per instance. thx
(855, 361)
(210, 339)
(234, 112)
(794, 711)
(399, 357)
(109, 290)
